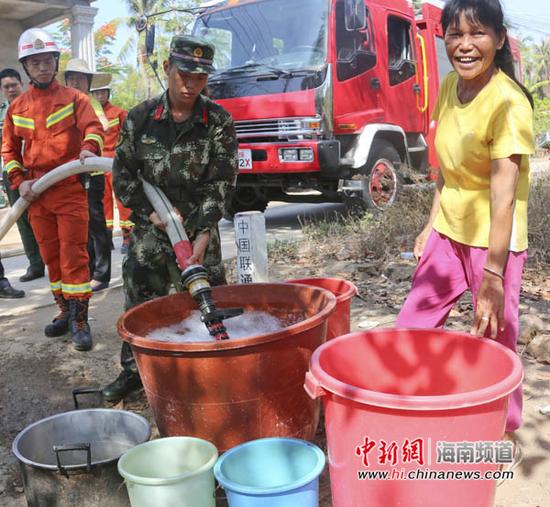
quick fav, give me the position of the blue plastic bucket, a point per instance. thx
(271, 472)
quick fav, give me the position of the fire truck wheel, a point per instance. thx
(381, 177)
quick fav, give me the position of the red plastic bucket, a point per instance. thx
(232, 391)
(402, 402)
(339, 322)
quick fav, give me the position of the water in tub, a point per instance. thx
(250, 323)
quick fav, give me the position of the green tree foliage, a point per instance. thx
(124, 89)
(167, 17)
(536, 76)
(104, 39)
(542, 115)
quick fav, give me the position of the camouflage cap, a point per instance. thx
(192, 54)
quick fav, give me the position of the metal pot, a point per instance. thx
(70, 459)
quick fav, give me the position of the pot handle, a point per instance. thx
(84, 390)
(312, 386)
(72, 447)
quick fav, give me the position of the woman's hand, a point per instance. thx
(420, 243)
(25, 191)
(422, 238)
(199, 248)
(489, 312)
(490, 297)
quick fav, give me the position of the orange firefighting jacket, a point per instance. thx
(116, 116)
(50, 127)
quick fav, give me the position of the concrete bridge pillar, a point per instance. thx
(82, 33)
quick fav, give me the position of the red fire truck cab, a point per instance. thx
(331, 98)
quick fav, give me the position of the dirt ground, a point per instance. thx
(37, 374)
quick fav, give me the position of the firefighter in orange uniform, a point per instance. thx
(115, 116)
(55, 124)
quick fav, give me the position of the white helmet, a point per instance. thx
(99, 88)
(35, 41)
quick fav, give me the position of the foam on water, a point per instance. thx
(192, 329)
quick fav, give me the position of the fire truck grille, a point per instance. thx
(278, 128)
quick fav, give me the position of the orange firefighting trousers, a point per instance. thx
(59, 220)
(108, 206)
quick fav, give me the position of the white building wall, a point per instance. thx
(9, 35)
(82, 40)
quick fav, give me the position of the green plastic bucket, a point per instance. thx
(170, 472)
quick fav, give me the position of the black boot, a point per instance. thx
(60, 323)
(78, 323)
(125, 383)
(32, 273)
(8, 292)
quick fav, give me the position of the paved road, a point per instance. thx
(282, 222)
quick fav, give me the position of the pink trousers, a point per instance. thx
(445, 271)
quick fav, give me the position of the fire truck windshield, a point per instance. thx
(267, 35)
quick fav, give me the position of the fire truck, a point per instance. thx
(332, 99)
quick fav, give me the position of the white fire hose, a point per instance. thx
(91, 164)
(174, 229)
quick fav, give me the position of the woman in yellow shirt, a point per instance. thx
(476, 234)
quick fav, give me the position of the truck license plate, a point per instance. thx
(245, 160)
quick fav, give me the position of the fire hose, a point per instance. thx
(194, 276)
(90, 165)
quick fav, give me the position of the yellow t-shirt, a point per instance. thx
(497, 123)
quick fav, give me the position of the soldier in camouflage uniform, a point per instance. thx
(186, 145)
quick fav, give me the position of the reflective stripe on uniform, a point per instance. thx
(126, 223)
(114, 123)
(21, 121)
(81, 288)
(60, 115)
(95, 137)
(12, 165)
(96, 173)
(55, 286)
(98, 109)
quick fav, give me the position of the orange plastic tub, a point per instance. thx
(339, 322)
(236, 390)
(411, 403)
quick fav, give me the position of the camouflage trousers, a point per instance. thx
(149, 270)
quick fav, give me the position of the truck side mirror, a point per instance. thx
(355, 15)
(150, 39)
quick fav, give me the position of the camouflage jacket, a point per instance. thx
(194, 163)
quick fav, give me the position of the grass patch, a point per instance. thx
(336, 226)
(539, 222)
(383, 235)
(373, 235)
(283, 249)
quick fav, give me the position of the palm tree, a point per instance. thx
(541, 53)
(536, 65)
(142, 13)
(138, 11)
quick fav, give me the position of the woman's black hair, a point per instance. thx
(486, 13)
